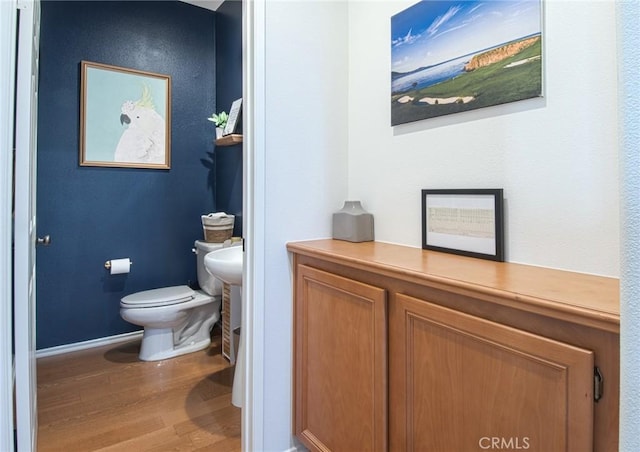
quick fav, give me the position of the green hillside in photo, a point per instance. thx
(511, 79)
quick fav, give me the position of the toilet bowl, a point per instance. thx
(176, 319)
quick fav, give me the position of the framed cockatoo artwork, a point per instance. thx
(125, 117)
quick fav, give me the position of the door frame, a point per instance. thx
(8, 36)
(254, 126)
(25, 227)
(253, 36)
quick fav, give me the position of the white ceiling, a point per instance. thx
(207, 4)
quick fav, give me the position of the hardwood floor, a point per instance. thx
(105, 399)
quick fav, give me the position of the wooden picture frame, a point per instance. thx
(469, 222)
(125, 117)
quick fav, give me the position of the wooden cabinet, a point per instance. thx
(231, 312)
(403, 349)
(460, 382)
(340, 354)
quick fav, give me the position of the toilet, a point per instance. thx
(177, 319)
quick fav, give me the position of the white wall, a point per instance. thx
(305, 171)
(556, 157)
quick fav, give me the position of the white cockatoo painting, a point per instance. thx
(143, 139)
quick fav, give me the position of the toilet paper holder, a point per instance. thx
(107, 264)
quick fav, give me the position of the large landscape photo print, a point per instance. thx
(454, 56)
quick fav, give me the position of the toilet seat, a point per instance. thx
(164, 296)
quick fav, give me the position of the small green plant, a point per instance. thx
(220, 119)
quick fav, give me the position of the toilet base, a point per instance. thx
(175, 330)
(157, 344)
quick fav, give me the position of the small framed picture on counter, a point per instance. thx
(469, 222)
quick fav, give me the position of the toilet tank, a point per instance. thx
(208, 283)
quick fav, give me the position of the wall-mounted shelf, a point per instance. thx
(229, 140)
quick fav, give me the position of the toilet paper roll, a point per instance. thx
(119, 266)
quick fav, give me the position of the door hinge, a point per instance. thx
(598, 383)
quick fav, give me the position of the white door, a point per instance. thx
(25, 224)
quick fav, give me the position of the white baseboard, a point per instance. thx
(68, 348)
(297, 446)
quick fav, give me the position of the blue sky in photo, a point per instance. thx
(432, 31)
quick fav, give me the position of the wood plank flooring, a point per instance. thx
(105, 399)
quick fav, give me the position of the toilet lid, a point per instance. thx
(159, 297)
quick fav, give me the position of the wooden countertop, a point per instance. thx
(578, 297)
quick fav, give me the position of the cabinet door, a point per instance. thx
(463, 383)
(340, 363)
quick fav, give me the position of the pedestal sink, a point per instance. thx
(226, 265)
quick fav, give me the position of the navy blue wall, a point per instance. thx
(228, 160)
(95, 214)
